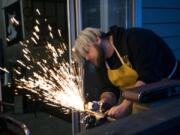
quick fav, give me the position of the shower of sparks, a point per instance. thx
(37, 10)
(21, 63)
(59, 85)
(32, 38)
(14, 21)
(35, 34)
(51, 35)
(59, 32)
(4, 69)
(57, 82)
(7, 39)
(36, 28)
(27, 41)
(50, 28)
(21, 43)
(37, 22)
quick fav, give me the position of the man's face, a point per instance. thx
(95, 55)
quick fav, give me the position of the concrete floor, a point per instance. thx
(44, 124)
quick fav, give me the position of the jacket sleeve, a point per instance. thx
(145, 57)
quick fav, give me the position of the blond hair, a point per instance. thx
(85, 39)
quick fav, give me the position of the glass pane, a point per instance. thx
(90, 13)
(117, 12)
(104, 13)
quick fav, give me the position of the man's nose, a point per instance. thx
(87, 57)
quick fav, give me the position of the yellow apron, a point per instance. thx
(123, 77)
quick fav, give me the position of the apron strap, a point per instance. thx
(118, 54)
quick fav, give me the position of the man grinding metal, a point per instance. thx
(125, 58)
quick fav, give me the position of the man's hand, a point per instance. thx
(108, 97)
(139, 83)
(120, 110)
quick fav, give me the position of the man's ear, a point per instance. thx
(98, 40)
